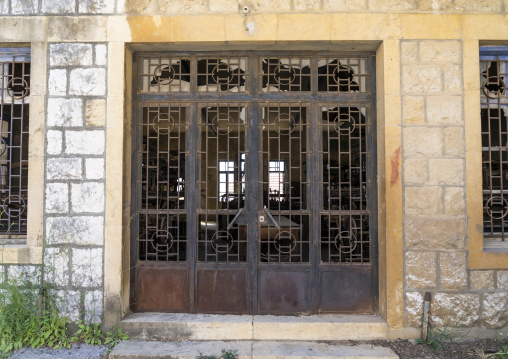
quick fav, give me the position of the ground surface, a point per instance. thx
(78, 351)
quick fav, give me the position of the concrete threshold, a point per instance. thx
(177, 326)
(248, 349)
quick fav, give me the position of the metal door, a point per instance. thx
(253, 183)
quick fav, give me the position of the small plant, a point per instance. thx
(436, 337)
(226, 354)
(90, 333)
(115, 336)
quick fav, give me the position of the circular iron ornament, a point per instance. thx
(285, 242)
(222, 241)
(496, 205)
(343, 75)
(162, 238)
(3, 146)
(284, 74)
(164, 74)
(13, 203)
(499, 85)
(221, 74)
(222, 124)
(163, 125)
(344, 124)
(18, 88)
(343, 237)
(284, 124)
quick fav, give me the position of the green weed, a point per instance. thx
(226, 354)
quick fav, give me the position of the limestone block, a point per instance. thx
(435, 5)
(24, 7)
(502, 279)
(58, 7)
(306, 5)
(414, 309)
(453, 79)
(221, 6)
(137, 6)
(412, 109)
(57, 82)
(70, 54)
(54, 146)
(56, 266)
(409, 51)
(454, 141)
(64, 168)
(420, 269)
(272, 5)
(88, 82)
(455, 310)
(444, 110)
(423, 201)
(454, 200)
(356, 4)
(481, 279)
(446, 171)
(64, 112)
(95, 112)
(440, 51)
(395, 5)
(96, 6)
(495, 313)
(87, 197)
(101, 55)
(68, 303)
(84, 142)
(420, 79)
(434, 233)
(422, 141)
(94, 168)
(78, 230)
(415, 171)
(57, 198)
(77, 28)
(87, 267)
(93, 306)
(4, 9)
(334, 5)
(493, 6)
(452, 266)
(24, 274)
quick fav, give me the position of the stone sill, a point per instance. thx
(20, 254)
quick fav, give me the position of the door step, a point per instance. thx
(132, 349)
(176, 326)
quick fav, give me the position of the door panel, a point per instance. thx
(282, 292)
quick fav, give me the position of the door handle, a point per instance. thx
(231, 224)
(271, 218)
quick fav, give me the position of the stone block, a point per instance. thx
(223, 6)
(95, 112)
(77, 28)
(409, 51)
(24, 7)
(502, 279)
(56, 266)
(64, 112)
(272, 5)
(84, 142)
(87, 267)
(306, 5)
(88, 82)
(454, 141)
(168, 7)
(494, 311)
(64, 168)
(96, 6)
(414, 309)
(58, 7)
(415, 171)
(444, 110)
(389, 6)
(423, 201)
(412, 109)
(446, 171)
(453, 79)
(440, 51)
(454, 201)
(481, 279)
(77, 230)
(418, 79)
(334, 5)
(68, 303)
(24, 275)
(70, 54)
(137, 6)
(4, 10)
(101, 55)
(356, 4)
(453, 273)
(93, 306)
(435, 5)
(87, 197)
(420, 269)
(491, 6)
(57, 198)
(455, 310)
(54, 144)
(94, 168)
(435, 233)
(422, 141)
(57, 82)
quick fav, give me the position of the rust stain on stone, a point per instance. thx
(150, 28)
(395, 166)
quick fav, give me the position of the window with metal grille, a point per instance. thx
(494, 116)
(14, 104)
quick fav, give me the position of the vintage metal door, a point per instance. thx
(254, 183)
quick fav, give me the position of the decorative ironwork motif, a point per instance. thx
(494, 117)
(222, 74)
(343, 75)
(285, 74)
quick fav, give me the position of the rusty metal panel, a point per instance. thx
(222, 291)
(163, 289)
(284, 293)
(347, 291)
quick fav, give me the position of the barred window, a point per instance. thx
(14, 132)
(494, 116)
